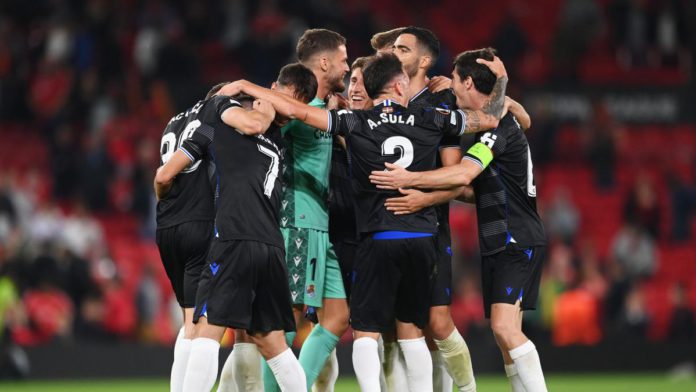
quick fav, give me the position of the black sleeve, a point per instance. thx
(221, 103)
(197, 144)
(449, 141)
(497, 138)
(342, 122)
(450, 122)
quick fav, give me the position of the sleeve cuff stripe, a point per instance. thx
(461, 131)
(476, 161)
(188, 154)
(328, 114)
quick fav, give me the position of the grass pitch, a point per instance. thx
(486, 383)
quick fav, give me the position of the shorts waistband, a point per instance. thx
(398, 235)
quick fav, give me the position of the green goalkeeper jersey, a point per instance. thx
(306, 165)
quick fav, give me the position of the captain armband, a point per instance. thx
(481, 154)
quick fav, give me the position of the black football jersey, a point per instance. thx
(444, 99)
(392, 133)
(342, 225)
(246, 176)
(506, 192)
(191, 196)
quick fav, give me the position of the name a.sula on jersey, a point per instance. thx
(392, 119)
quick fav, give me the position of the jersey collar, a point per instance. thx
(413, 98)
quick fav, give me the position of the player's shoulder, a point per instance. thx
(445, 99)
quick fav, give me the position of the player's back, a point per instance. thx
(249, 187)
(392, 133)
(506, 192)
(190, 197)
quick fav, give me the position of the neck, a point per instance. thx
(478, 100)
(392, 97)
(417, 84)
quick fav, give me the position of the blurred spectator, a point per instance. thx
(579, 25)
(49, 314)
(634, 320)
(641, 208)
(601, 151)
(89, 323)
(467, 311)
(633, 26)
(619, 285)
(148, 300)
(683, 205)
(576, 319)
(635, 251)
(9, 220)
(121, 316)
(81, 233)
(558, 276)
(95, 170)
(511, 41)
(562, 218)
(682, 323)
(671, 33)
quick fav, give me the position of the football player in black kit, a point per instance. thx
(418, 50)
(242, 370)
(396, 257)
(244, 283)
(511, 235)
(185, 214)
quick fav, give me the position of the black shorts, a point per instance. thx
(245, 285)
(393, 280)
(512, 275)
(345, 252)
(183, 249)
(442, 287)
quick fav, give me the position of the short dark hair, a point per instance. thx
(378, 71)
(215, 89)
(427, 39)
(315, 41)
(359, 63)
(300, 78)
(385, 38)
(465, 65)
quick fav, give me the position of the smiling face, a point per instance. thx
(357, 96)
(337, 69)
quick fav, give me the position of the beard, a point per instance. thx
(337, 85)
(411, 69)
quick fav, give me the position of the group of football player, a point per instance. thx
(290, 202)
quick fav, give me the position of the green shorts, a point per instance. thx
(313, 270)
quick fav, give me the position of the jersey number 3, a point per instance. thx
(405, 147)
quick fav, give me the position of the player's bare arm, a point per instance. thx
(519, 112)
(442, 178)
(414, 200)
(283, 105)
(166, 173)
(252, 122)
(467, 195)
